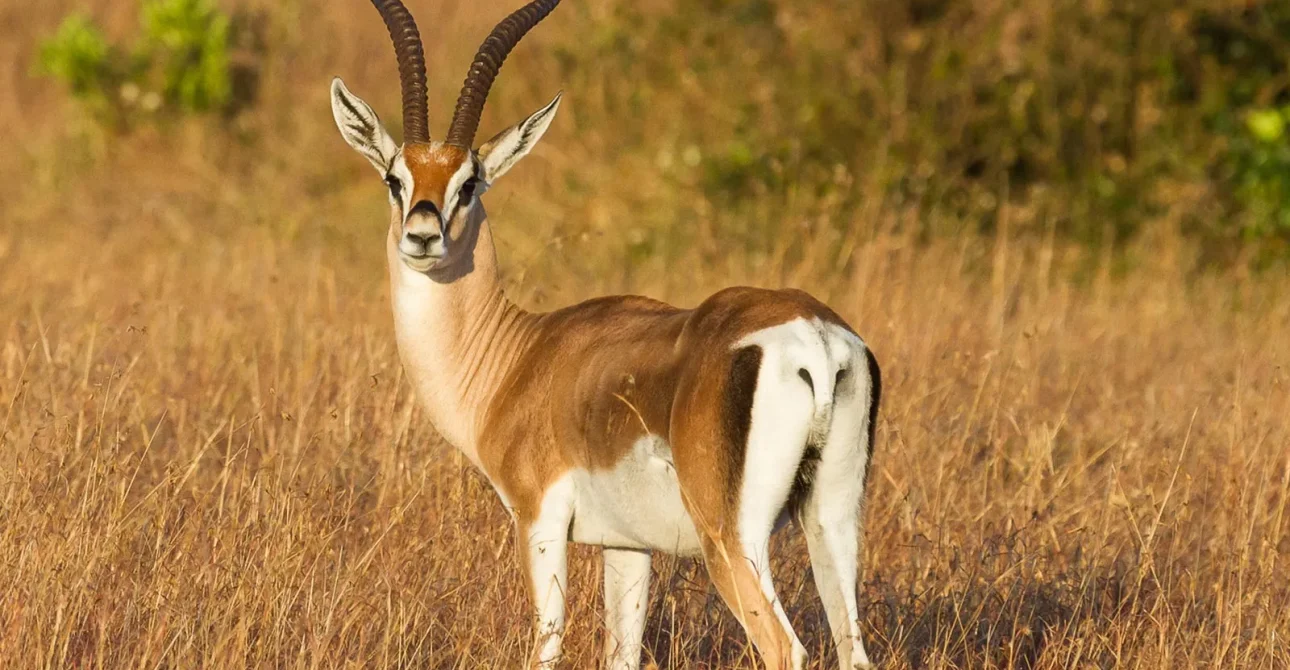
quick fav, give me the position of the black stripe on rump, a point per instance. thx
(736, 414)
(875, 397)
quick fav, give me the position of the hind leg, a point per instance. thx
(745, 586)
(736, 514)
(830, 519)
(735, 542)
(834, 549)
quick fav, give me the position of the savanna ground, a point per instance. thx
(209, 457)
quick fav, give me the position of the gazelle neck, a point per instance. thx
(457, 332)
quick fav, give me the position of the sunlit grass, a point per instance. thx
(210, 458)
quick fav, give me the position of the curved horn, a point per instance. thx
(488, 61)
(412, 68)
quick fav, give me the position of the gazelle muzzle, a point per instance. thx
(422, 242)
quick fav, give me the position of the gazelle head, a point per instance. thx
(435, 184)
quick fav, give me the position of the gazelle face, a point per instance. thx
(433, 186)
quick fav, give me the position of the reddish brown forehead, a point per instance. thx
(432, 165)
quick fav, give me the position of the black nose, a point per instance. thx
(424, 240)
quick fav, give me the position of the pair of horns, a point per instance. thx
(479, 79)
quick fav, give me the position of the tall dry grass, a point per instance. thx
(208, 456)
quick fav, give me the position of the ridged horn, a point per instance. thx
(488, 61)
(412, 68)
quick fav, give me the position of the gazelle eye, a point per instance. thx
(396, 188)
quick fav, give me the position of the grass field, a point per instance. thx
(209, 456)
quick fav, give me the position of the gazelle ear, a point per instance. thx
(512, 144)
(361, 128)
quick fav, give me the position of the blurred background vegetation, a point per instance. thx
(726, 124)
(178, 63)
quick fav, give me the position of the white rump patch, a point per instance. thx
(793, 405)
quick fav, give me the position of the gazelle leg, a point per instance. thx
(744, 584)
(834, 549)
(830, 519)
(626, 601)
(779, 424)
(766, 412)
(740, 562)
(544, 551)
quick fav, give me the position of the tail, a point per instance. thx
(831, 381)
(823, 376)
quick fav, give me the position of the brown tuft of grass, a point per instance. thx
(209, 457)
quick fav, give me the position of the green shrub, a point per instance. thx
(80, 56)
(1259, 164)
(1246, 102)
(1093, 117)
(179, 64)
(188, 42)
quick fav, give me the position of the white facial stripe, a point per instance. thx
(466, 171)
(400, 171)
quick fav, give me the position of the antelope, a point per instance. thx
(621, 421)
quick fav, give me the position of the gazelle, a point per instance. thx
(621, 421)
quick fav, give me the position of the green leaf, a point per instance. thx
(1267, 125)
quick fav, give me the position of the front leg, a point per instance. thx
(544, 554)
(626, 602)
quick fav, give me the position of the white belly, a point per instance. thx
(636, 505)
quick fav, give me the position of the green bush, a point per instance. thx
(188, 42)
(1247, 106)
(1259, 165)
(1096, 118)
(179, 64)
(80, 56)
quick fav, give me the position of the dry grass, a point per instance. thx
(208, 456)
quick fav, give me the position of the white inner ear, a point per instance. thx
(514, 143)
(361, 128)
